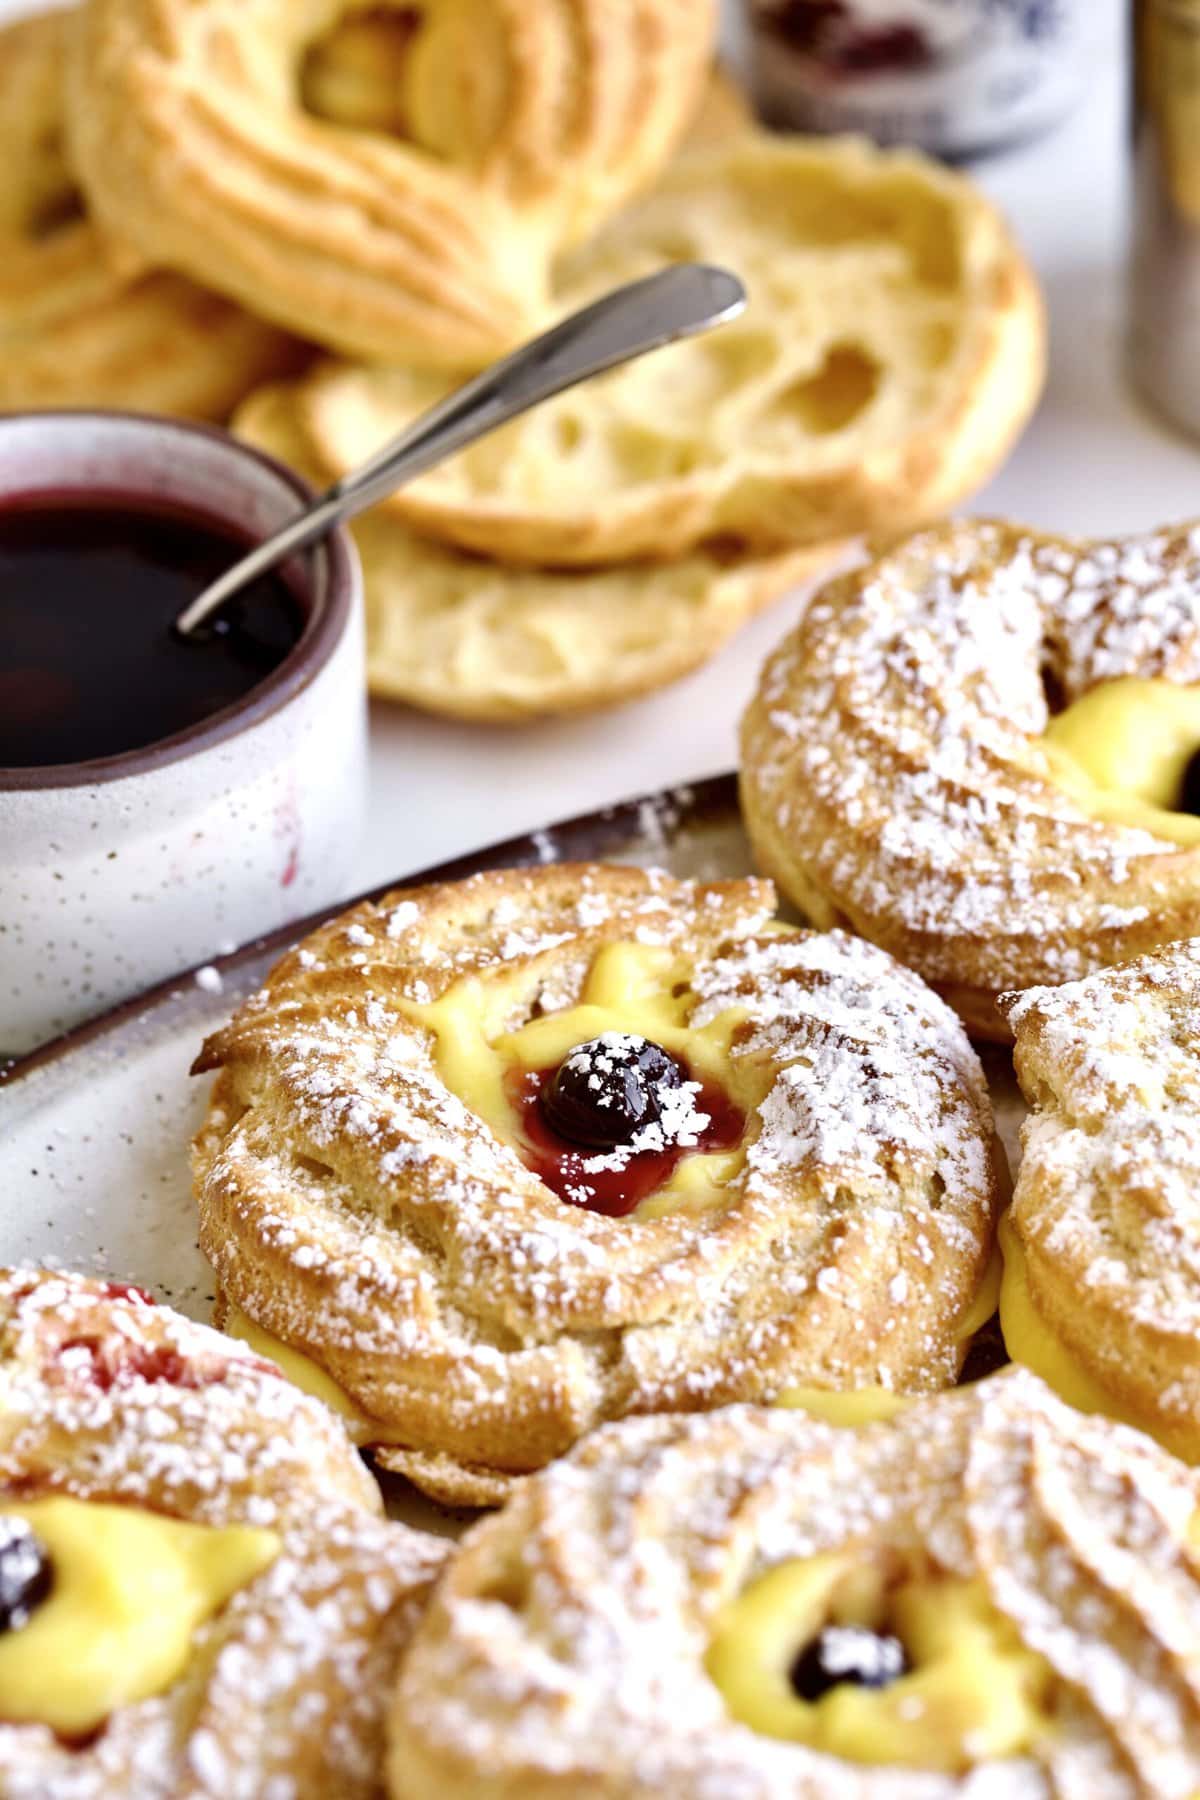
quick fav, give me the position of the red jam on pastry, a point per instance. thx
(608, 1125)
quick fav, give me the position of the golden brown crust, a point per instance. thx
(455, 635)
(107, 1397)
(881, 371)
(1107, 1204)
(893, 771)
(723, 112)
(564, 1652)
(84, 322)
(527, 124)
(358, 1210)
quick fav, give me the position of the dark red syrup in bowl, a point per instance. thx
(89, 664)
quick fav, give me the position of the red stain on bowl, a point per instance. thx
(289, 827)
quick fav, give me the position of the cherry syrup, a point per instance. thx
(90, 667)
(561, 1164)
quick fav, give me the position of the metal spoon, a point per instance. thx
(676, 303)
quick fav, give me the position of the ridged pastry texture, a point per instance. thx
(895, 775)
(1106, 1213)
(473, 639)
(84, 321)
(523, 124)
(359, 1209)
(892, 349)
(565, 1651)
(107, 1397)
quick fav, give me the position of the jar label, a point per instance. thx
(951, 75)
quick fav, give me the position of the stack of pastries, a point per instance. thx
(314, 219)
(820, 1462)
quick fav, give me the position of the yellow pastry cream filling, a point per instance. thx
(305, 1374)
(879, 1664)
(631, 989)
(1031, 1341)
(1122, 751)
(123, 1593)
(311, 1379)
(862, 1406)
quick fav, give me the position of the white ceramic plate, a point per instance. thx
(94, 1128)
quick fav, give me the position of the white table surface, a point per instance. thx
(1092, 460)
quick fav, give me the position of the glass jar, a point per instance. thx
(1164, 296)
(955, 77)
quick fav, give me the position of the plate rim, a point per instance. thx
(686, 802)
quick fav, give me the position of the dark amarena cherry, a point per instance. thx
(615, 1179)
(1189, 799)
(89, 664)
(847, 1653)
(607, 1089)
(26, 1573)
(835, 31)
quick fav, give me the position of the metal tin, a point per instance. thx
(1164, 298)
(953, 76)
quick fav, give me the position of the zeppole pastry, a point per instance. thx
(892, 350)
(987, 1595)
(199, 1599)
(1101, 1290)
(723, 112)
(977, 750)
(500, 1159)
(422, 229)
(82, 322)
(457, 635)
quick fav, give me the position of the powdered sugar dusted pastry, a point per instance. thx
(83, 321)
(989, 1595)
(1101, 1289)
(198, 1596)
(977, 751)
(509, 1157)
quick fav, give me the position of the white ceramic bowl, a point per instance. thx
(117, 873)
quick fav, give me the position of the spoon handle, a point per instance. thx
(677, 302)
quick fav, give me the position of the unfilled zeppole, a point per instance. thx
(892, 349)
(630, 528)
(84, 320)
(474, 639)
(427, 231)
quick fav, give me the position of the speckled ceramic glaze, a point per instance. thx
(114, 874)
